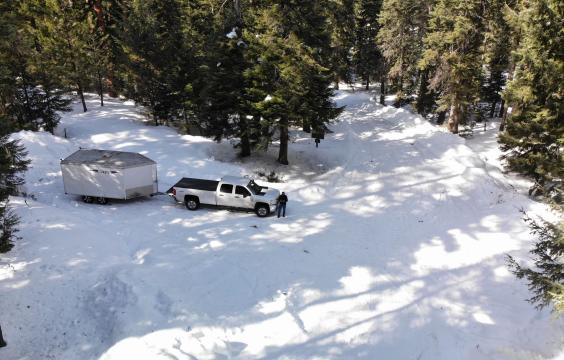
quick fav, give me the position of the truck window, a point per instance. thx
(256, 188)
(239, 190)
(226, 188)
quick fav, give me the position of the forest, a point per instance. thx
(250, 69)
(253, 69)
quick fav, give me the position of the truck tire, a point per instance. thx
(192, 203)
(102, 200)
(87, 199)
(262, 210)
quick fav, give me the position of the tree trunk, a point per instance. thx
(76, 75)
(238, 12)
(100, 88)
(367, 83)
(245, 145)
(49, 124)
(185, 118)
(399, 95)
(501, 108)
(502, 123)
(306, 127)
(81, 94)
(383, 90)
(441, 117)
(454, 118)
(503, 113)
(99, 11)
(27, 108)
(492, 109)
(423, 94)
(110, 83)
(337, 83)
(265, 133)
(152, 105)
(283, 152)
(244, 134)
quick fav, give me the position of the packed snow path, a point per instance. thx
(393, 248)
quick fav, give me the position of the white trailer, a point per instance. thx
(98, 175)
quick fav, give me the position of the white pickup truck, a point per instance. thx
(230, 192)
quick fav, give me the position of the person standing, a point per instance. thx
(2, 342)
(282, 200)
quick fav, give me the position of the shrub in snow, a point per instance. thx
(12, 162)
(546, 279)
(8, 223)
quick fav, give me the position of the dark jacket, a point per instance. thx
(282, 199)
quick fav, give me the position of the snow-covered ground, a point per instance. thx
(394, 248)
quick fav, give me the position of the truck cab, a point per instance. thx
(234, 193)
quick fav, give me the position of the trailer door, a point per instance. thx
(111, 183)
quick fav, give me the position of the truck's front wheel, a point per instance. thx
(192, 203)
(262, 210)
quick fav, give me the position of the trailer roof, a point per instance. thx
(107, 158)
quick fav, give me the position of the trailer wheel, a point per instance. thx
(87, 199)
(262, 210)
(102, 200)
(192, 203)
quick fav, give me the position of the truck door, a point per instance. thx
(243, 197)
(225, 196)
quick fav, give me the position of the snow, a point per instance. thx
(232, 34)
(483, 142)
(394, 248)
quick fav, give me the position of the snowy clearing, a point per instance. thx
(393, 249)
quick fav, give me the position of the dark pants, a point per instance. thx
(2, 342)
(282, 207)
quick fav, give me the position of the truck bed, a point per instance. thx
(198, 184)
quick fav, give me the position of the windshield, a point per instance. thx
(255, 188)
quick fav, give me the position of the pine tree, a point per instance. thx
(452, 56)
(276, 74)
(67, 34)
(534, 135)
(367, 58)
(546, 281)
(32, 91)
(497, 42)
(295, 84)
(107, 28)
(157, 63)
(220, 89)
(342, 25)
(12, 162)
(403, 26)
